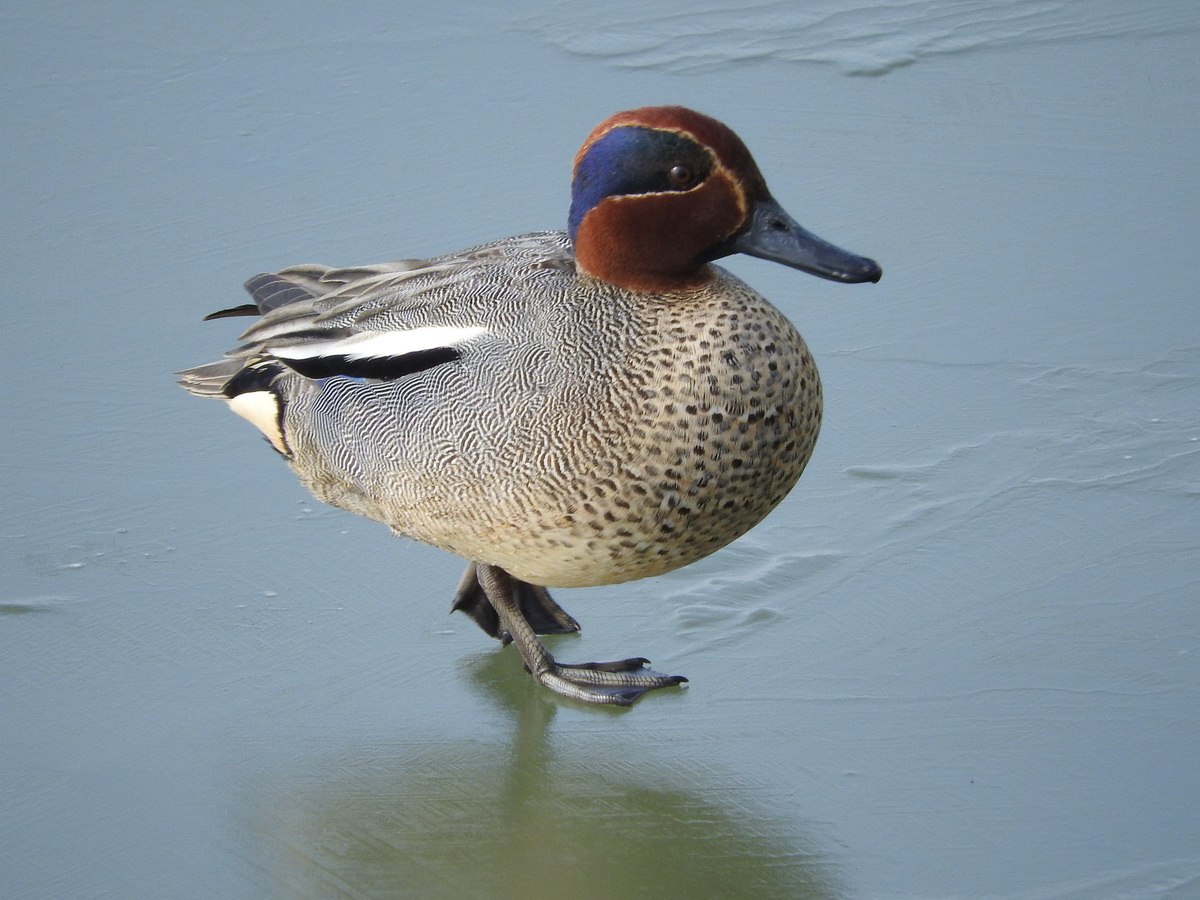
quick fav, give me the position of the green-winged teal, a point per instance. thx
(561, 408)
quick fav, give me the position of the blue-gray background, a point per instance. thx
(962, 659)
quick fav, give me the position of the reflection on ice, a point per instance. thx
(478, 819)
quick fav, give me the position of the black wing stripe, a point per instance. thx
(383, 368)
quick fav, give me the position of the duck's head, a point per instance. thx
(661, 191)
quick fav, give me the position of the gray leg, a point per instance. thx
(616, 683)
(537, 607)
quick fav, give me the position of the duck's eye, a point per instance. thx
(681, 176)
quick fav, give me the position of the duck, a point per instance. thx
(561, 408)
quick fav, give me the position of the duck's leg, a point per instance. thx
(537, 607)
(617, 683)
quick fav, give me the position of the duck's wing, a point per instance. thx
(381, 321)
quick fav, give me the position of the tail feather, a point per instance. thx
(209, 380)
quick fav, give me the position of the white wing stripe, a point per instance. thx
(367, 345)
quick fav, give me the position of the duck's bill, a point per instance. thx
(773, 234)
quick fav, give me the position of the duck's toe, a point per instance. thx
(617, 683)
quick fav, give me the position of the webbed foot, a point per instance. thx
(617, 683)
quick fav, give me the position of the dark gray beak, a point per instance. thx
(772, 234)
